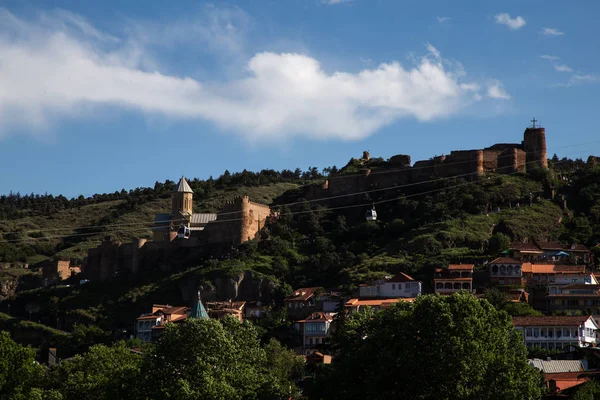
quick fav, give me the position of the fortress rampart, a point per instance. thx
(504, 158)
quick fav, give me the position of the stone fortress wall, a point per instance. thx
(468, 164)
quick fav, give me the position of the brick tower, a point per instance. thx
(534, 144)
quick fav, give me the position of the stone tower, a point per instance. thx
(534, 144)
(181, 199)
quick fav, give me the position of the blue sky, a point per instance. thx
(99, 96)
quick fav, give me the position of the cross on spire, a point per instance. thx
(534, 121)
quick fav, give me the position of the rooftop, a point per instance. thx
(401, 277)
(551, 320)
(302, 294)
(558, 366)
(377, 302)
(183, 186)
(461, 267)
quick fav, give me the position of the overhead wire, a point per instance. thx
(323, 199)
(229, 220)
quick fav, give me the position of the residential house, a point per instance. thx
(400, 285)
(220, 309)
(561, 374)
(256, 310)
(571, 275)
(313, 331)
(329, 302)
(148, 325)
(550, 252)
(455, 278)
(576, 296)
(302, 302)
(508, 271)
(557, 332)
(357, 305)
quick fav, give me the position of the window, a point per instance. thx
(494, 270)
(550, 332)
(544, 332)
(536, 332)
(566, 332)
(439, 285)
(393, 286)
(399, 286)
(529, 332)
(574, 280)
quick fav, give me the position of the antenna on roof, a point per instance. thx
(534, 121)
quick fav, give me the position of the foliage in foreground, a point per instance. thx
(454, 347)
(199, 359)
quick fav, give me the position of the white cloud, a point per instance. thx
(562, 68)
(551, 32)
(588, 78)
(333, 2)
(513, 23)
(443, 19)
(496, 90)
(557, 66)
(551, 58)
(49, 73)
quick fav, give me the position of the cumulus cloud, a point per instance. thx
(496, 90)
(513, 23)
(443, 19)
(48, 73)
(551, 32)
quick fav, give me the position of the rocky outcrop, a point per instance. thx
(8, 288)
(245, 286)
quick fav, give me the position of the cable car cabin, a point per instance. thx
(183, 232)
(371, 214)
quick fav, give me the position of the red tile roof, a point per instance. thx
(551, 320)
(569, 269)
(377, 302)
(302, 294)
(524, 247)
(461, 267)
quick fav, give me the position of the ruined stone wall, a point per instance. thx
(237, 222)
(63, 269)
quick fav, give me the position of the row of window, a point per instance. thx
(504, 270)
(552, 346)
(575, 302)
(311, 341)
(556, 333)
(456, 286)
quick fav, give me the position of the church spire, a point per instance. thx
(198, 311)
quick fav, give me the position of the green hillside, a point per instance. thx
(419, 228)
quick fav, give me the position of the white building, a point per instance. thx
(400, 285)
(557, 332)
(561, 280)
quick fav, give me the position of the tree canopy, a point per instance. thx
(436, 348)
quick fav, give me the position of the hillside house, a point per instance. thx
(510, 271)
(557, 332)
(550, 252)
(302, 302)
(571, 275)
(357, 305)
(220, 309)
(149, 326)
(314, 331)
(576, 296)
(400, 285)
(561, 374)
(455, 278)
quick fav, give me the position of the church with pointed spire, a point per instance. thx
(182, 213)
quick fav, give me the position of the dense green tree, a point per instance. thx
(453, 347)
(499, 242)
(210, 359)
(102, 373)
(18, 369)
